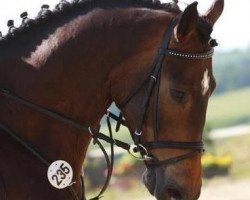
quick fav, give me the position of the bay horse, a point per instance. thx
(62, 70)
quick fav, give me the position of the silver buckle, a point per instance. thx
(145, 157)
(90, 131)
(153, 77)
(138, 133)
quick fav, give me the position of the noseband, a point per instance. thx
(143, 148)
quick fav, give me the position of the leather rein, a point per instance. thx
(143, 148)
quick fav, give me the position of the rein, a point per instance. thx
(96, 136)
(143, 148)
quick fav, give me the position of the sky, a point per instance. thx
(232, 30)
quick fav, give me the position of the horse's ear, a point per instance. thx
(188, 22)
(214, 12)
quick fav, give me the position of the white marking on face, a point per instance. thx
(205, 83)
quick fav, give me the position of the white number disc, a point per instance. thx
(60, 174)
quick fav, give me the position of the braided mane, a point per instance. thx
(65, 11)
(82, 6)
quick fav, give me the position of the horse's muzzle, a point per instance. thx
(165, 188)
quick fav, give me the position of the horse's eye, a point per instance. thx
(178, 95)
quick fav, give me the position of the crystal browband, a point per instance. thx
(205, 55)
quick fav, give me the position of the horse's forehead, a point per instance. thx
(188, 73)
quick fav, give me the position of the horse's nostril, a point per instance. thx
(174, 194)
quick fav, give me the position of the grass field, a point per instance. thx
(229, 109)
(239, 148)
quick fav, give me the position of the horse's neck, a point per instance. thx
(75, 79)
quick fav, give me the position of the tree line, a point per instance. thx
(232, 70)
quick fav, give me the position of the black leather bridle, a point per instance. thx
(143, 148)
(154, 83)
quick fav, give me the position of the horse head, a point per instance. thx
(169, 133)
